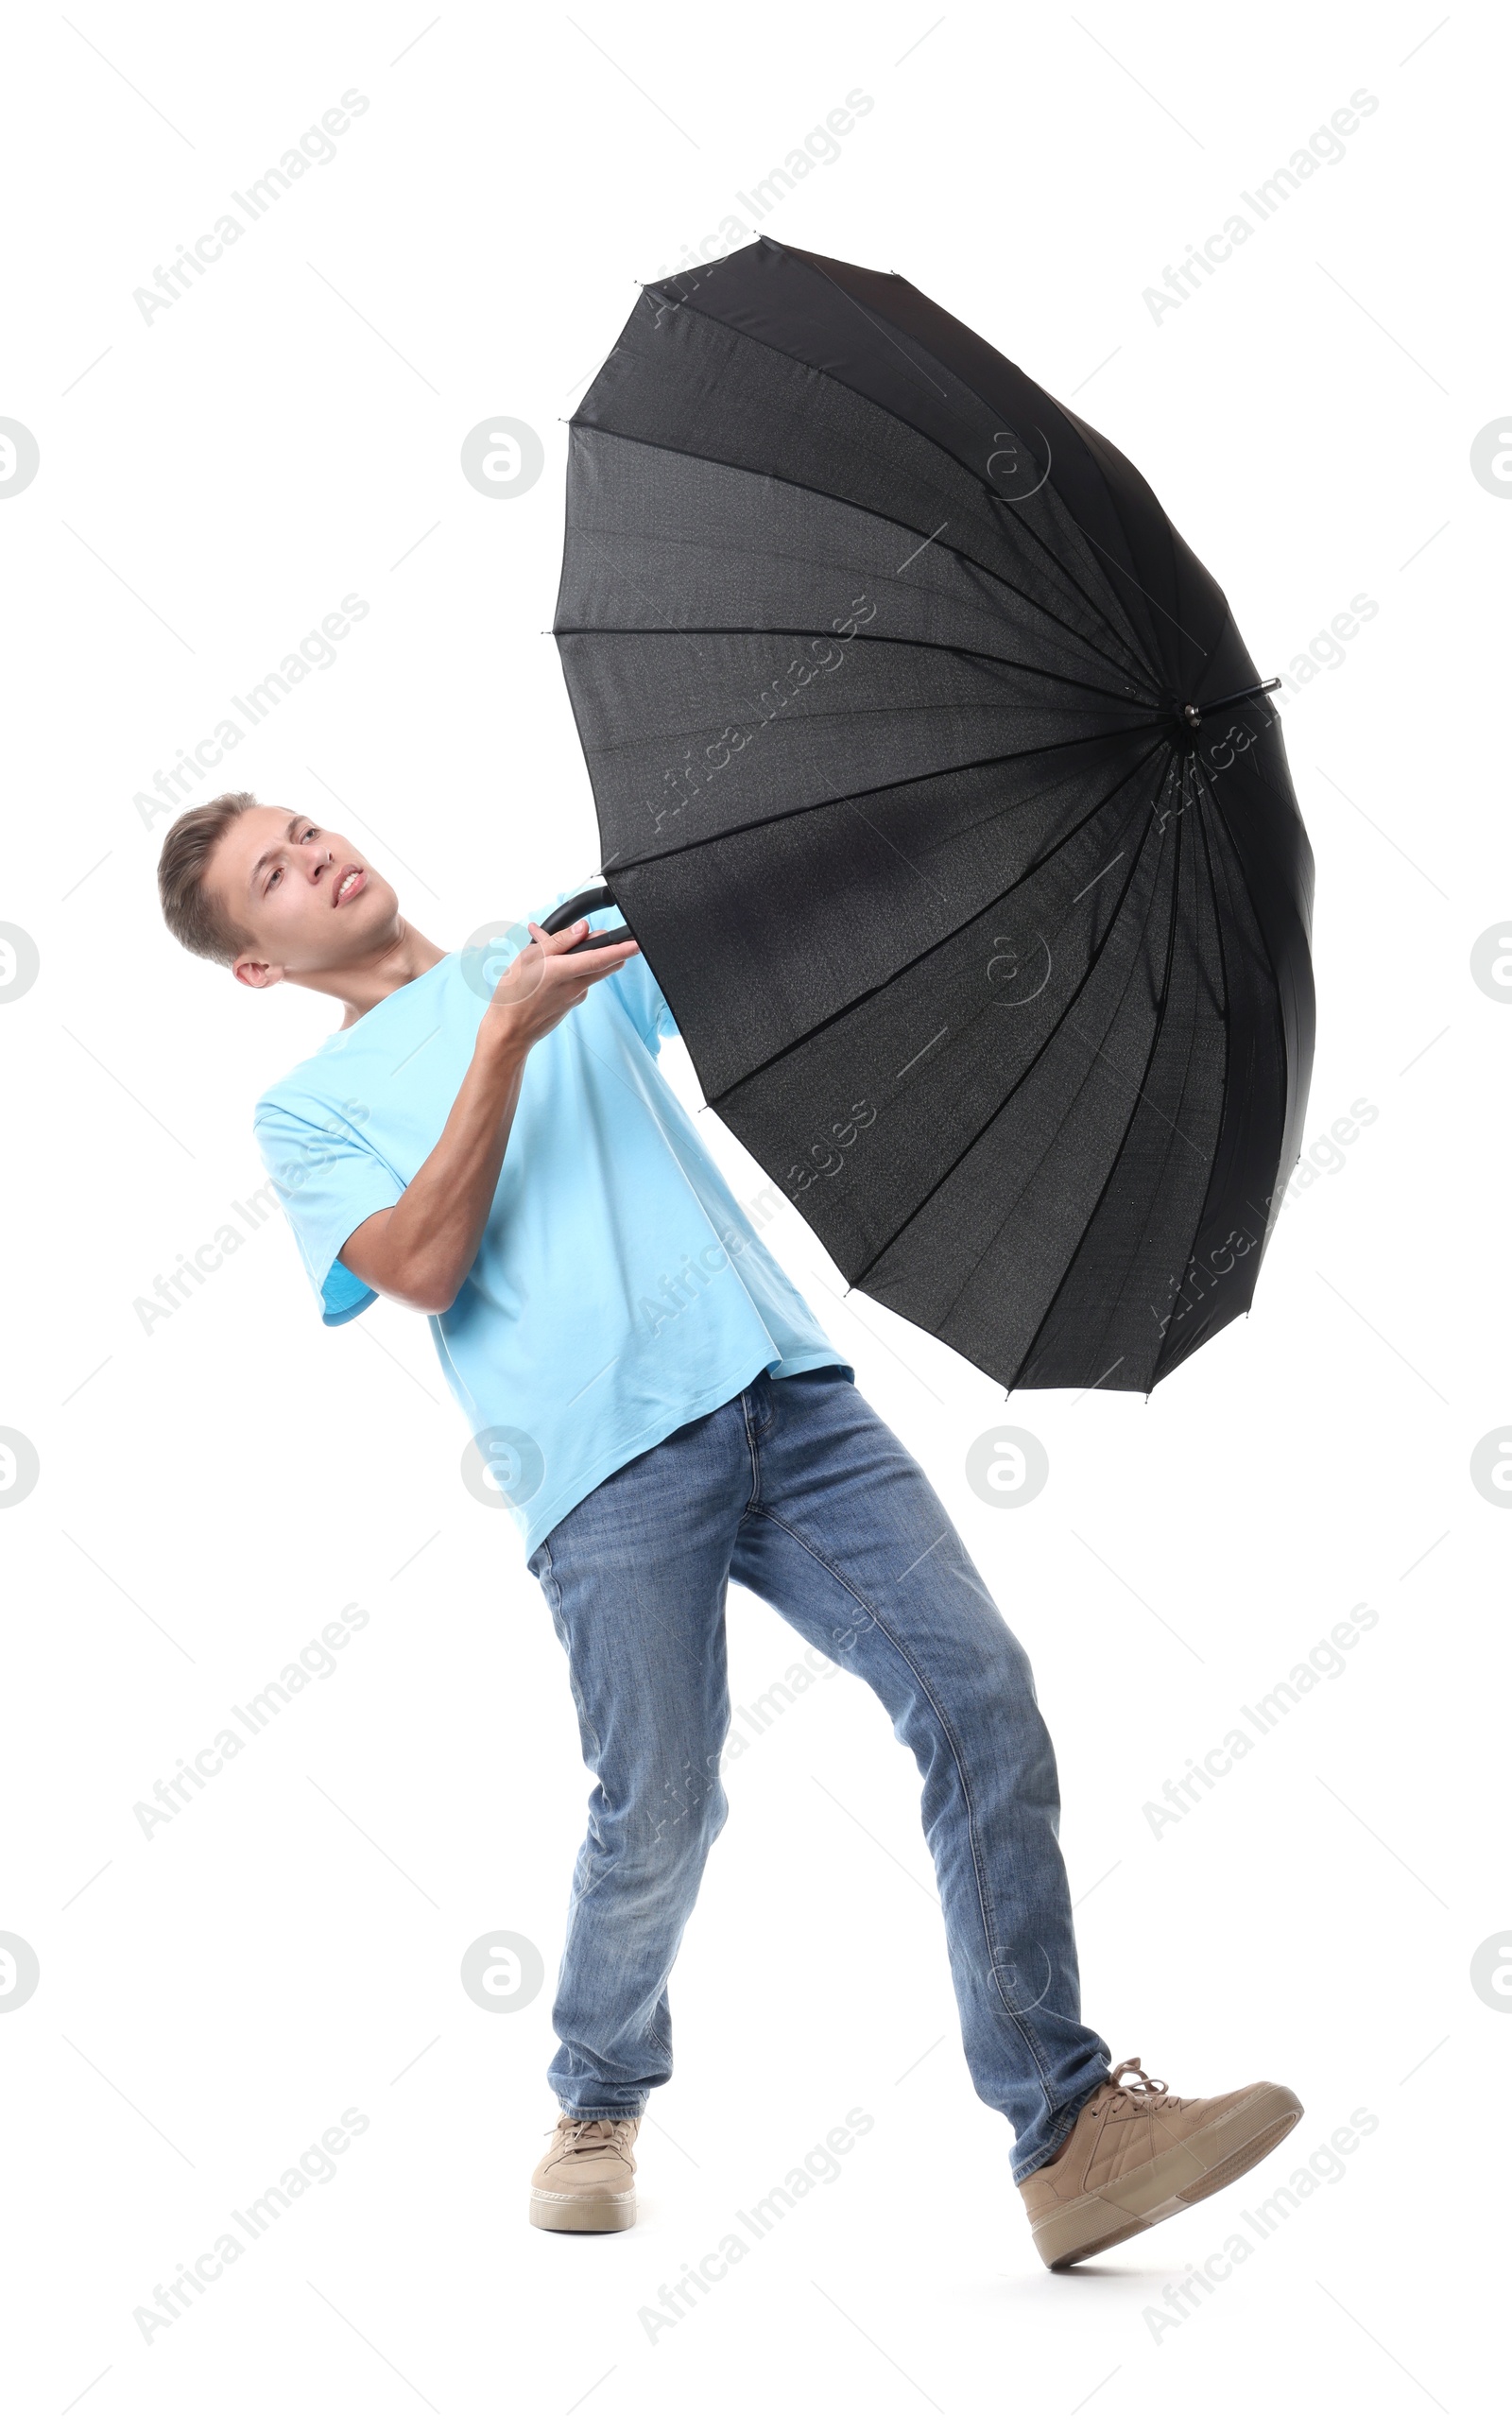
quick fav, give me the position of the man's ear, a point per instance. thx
(253, 973)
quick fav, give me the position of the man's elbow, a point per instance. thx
(424, 1288)
(427, 1293)
(417, 1274)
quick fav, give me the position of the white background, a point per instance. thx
(214, 1492)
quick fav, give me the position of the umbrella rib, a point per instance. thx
(866, 793)
(988, 818)
(1160, 1369)
(813, 262)
(1184, 850)
(854, 1003)
(1113, 1162)
(811, 490)
(966, 389)
(966, 386)
(987, 1125)
(1286, 798)
(1205, 787)
(1094, 541)
(1211, 791)
(816, 633)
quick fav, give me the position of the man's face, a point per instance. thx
(307, 899)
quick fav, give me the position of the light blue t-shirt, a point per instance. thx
(619, 1289)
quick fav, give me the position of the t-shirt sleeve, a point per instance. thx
(327, 1181)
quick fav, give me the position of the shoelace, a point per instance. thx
(1148, 2089)
(577, 2132)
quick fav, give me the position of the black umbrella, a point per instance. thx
(944, 801)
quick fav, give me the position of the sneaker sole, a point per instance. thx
(1188, 2173)
(584, 2215)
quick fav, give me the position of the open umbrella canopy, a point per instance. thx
(944, 800)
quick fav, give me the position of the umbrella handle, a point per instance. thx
(591, 899)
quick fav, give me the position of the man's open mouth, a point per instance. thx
(350, 883)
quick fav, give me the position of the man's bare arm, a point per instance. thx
(420, 1250)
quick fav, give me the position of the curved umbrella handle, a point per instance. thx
(591, 899)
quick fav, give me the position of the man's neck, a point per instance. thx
(361, 986)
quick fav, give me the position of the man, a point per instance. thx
(508, 1159)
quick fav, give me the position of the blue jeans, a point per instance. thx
(796, 1489)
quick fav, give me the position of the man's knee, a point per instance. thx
(688, 1816)
(671, 1820)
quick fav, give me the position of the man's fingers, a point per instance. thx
(592, 958)
(559, 941)
(596, 960)
(549, 964)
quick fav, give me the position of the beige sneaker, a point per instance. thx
(587, 2180)
(1138, 2153)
